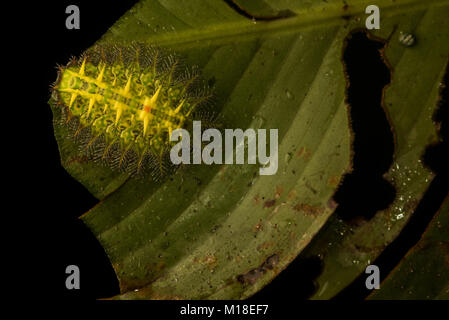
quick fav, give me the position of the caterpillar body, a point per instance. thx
(122, 103)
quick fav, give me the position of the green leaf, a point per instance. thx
(202, 231)
(422, 274)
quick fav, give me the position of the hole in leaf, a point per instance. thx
(436, 158)
(364, 191)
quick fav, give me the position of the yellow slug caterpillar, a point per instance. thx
(122, 103)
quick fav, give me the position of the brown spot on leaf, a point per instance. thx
(253, 275)
(304, 152)
(265, 245)
(271, 262)
(258, 226)
(209, 260)
(333, 181)
(291, 194)
(279, 191)
(269, 203)
(308, 209)
(300, 151)
(331, 204)
(256, 199)
(307, 155)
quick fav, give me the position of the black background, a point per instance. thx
(58, 200)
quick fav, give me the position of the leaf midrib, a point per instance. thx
(305, 18)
